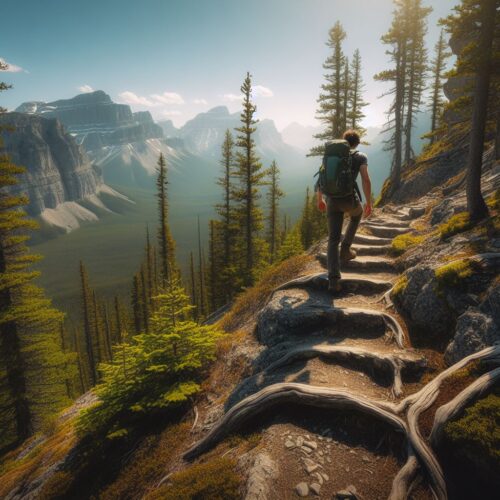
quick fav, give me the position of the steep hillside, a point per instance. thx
(368, 394)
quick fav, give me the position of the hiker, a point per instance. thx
(337, 181)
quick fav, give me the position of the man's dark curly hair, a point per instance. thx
(352, 137)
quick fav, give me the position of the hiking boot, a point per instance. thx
(347, 254)
(334, 285)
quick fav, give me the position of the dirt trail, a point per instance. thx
(338, 388)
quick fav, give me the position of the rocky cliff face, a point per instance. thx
(96, 121)
(58, 173)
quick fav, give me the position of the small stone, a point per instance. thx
(307, 436)
(312, 468)
(321, 460)
(328, 439)
(300, 441)
(326, 477)
(329, 460)
(320, 453)
(311, 444)
(315, 488)
(366, 459)
(302, 489)
(347, 469)
(308, 461)
(319, 477)
(306, 449)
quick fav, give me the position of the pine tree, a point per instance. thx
(273, 196)
(408, 55)
(331, 111)
(356, 103)
(477, 22)
(137, 308)
(250, 175)
(92, 358)
(166, 243)
(193, 288)
(292, 245)
(33, 368)
(437, 70)
(120, 325)
(306, 228)
(417, 69)
(202, 298)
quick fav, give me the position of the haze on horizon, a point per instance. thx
(177, 58)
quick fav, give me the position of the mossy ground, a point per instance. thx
(457, 224)
(454, 274)
(400, 244)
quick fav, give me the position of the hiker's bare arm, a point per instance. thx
(367, 188)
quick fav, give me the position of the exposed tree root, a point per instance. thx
(320, 281)
(395, 363)
(402, 482)
(279, 394)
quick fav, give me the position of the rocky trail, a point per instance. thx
(348, 407)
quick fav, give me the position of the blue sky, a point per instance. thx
(177, 58)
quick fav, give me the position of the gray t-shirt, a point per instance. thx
(358, 159)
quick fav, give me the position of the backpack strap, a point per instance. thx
(356, 187)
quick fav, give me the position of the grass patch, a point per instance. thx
(216, 479)
(399, 286)
(457, 224)
(148, 465)
(475, 436)
(453, 274)
(253, 299)
(493, 201)
(400, 244)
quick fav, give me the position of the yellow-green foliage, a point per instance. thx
(215, 480)
(403, 242)
(476, 435)
(253, 299)
(457, 224)
(453, 274)
(493, 201)
(399, 286)
(434, 149)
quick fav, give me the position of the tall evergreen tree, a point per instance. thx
(137, 309)
(437, 70)
(306, 227)
(273, 196)
(165, 240)
(92, 358)
(202, 298)
(407, 50)
(32, 364)
(478, 23)
(331, 110)
(250, 175)
(356, 103)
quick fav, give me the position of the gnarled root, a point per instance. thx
(279, 394)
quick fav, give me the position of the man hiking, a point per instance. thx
(337, 181)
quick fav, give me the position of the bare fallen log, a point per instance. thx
(279, 394)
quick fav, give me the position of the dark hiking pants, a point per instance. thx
(336, 208)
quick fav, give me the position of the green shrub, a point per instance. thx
(453, 274)
(457, 224)
(476, 435)
(214, 480)
(156, 371)
(400, 244)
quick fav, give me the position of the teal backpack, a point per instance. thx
(336, 176)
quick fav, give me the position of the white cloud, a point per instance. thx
(85, 89)
(232, 97)
(168, 98)
(261, 91)
(200, 101)
(171, 113)
(133, 99)
(12, 68)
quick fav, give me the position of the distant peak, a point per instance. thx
(219, 110)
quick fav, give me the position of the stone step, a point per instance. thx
(385, 231)
(359, 285)
(387, 223)
(366, 239)
(363, 263)
(371, 249)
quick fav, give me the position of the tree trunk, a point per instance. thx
(475, 202)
